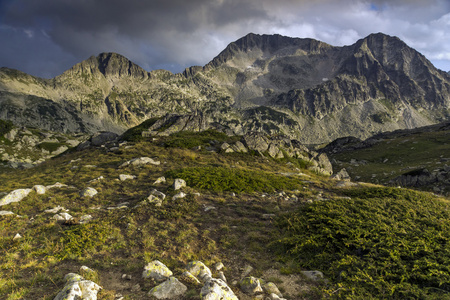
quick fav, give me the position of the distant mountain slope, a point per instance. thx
(303, 88)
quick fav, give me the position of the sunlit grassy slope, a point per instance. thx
(369, 241)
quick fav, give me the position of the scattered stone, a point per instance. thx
(88, 192)
(251, 285)
(341, 175)
(222, 276)
(56, 210)
(313, 275)
(180, 195)
(156, 197)
(189, 278)
(140, 162)
(199, 270)
(136, 288)
(271, 288)
(218, 266)
(169, 289)
(247, 270)
(178, 184)
(6, 213)
(85, 219)
(156, 270)
(56, 185)
(217, 289)
(62, 217)
(17, 237)
(96, 179)
(78, 288)
(160, 180)
(208, 208)
(127, 277)
(124, 177)
(14, 196)
(39, 189)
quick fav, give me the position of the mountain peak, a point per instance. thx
(109, 64)
(268, 44)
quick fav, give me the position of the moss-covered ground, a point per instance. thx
(369, 241)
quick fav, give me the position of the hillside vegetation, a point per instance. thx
(370, 242)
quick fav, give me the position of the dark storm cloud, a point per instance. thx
(174, 34)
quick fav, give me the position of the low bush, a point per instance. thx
(221, 179)
(381, 243)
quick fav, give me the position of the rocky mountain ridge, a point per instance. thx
(303, 88)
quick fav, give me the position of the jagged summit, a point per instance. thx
(268, 44)
(108, 64)
(300, 87)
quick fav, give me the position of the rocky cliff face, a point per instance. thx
(302, 88)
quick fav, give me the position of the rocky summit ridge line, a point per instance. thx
(302, 88)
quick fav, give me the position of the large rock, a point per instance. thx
(169, 289)
(199, 270)
(341, 175)
(179, 183)
(88, 192)
(156, 270)
(217, 289)
(256, 141)
(39, 189)
(140, 161)
(14, 196)
(251, 285)
(77, 288)
(101, 138)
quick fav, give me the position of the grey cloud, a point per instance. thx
(180, 33)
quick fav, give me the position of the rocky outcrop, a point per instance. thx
(438, 179)
(78, 288)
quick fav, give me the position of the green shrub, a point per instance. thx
(82, 240)
(383, 243)
(5, 127)
(134, 134)
(221, 179)
(48, 146)
(191, 139)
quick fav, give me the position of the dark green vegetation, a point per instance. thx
(382, 243)
(5, 127)
(396, 154)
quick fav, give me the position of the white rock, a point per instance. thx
(56, 185)
(179, 183)
(62, 217)
(251, 285)
(78, 288)
(217, 289)
(6, 213)
(199, 270)
(169, 289)
(88, 192)
(139, 162)
(56, 209)
(156, 270)
(85, 219)
(313, 275)
(17, 237)
(124, 177)
(14, 196)
(218, 266)
(180, 195)
(160, 180)
(39, 189)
